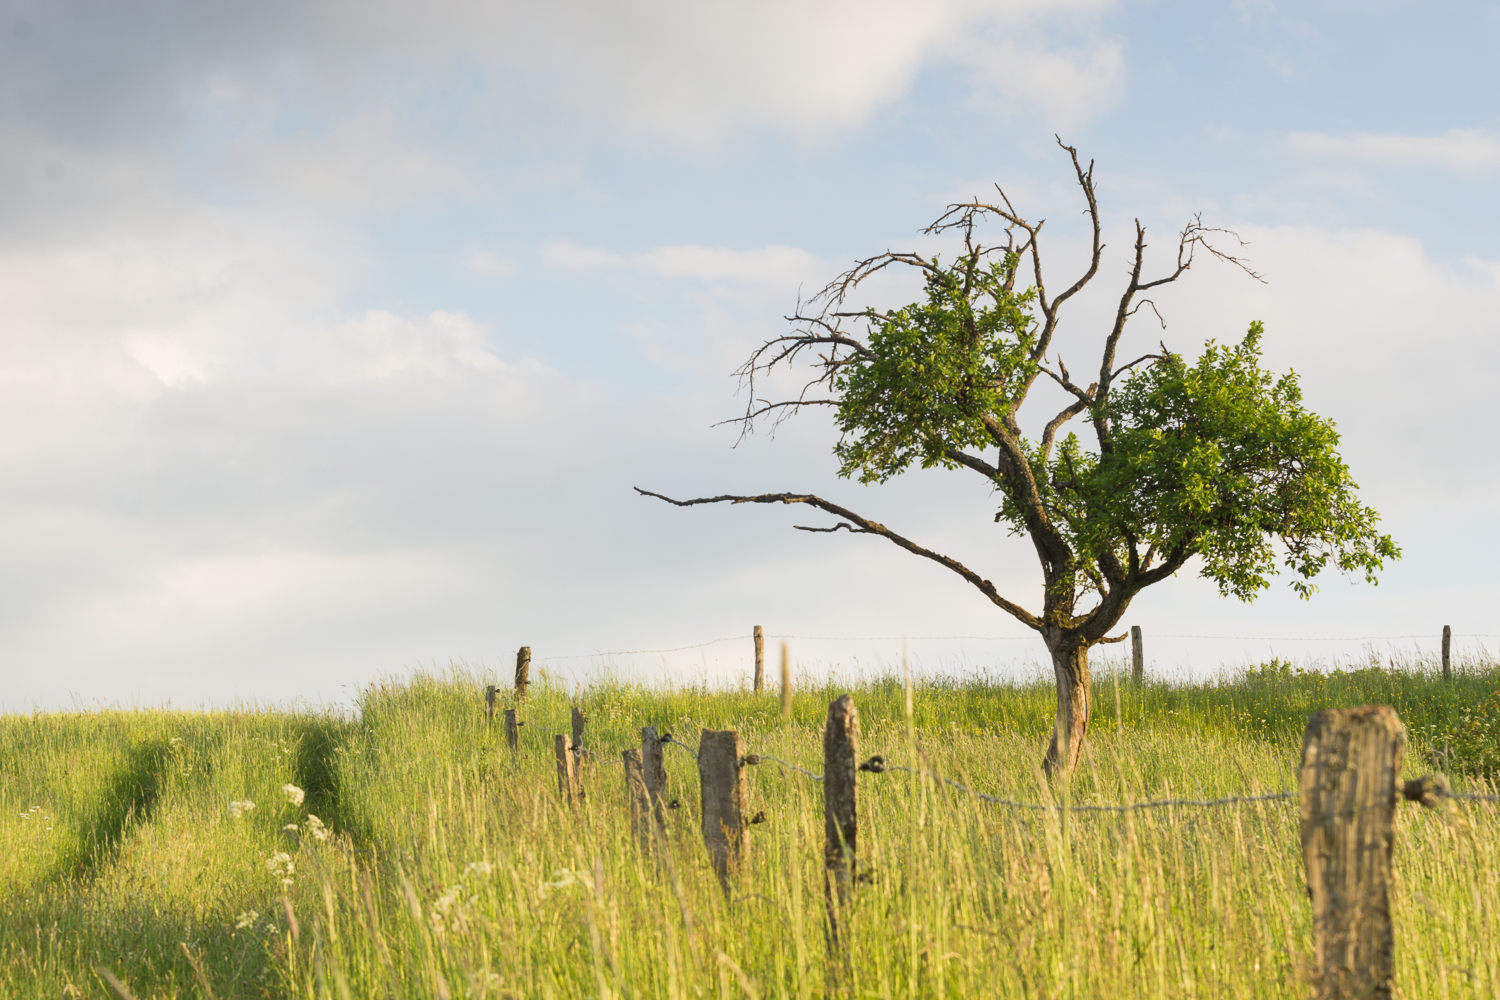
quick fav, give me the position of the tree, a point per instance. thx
(1216, 459)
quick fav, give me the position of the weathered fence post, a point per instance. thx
(760, 659)
(840, 818)
(512, 731)
(1447, 645)
(523, 670)
(489, 702)
(786, 683)
(655, 767)
(722, 784)
(1137, 655)
(567, 775)
(580, 723)
(1351, 758)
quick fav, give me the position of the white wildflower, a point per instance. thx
(290, 828)
(246, 920)
(478, 868)
(238, 809)
(294, 794)
(445, 902)
(561, 879)
(281, 864)
(316, 828)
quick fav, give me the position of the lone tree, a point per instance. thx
(1216, 459)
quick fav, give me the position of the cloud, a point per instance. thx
(1460, 149)
(1063, 86)
(780, 267)
(332, 84)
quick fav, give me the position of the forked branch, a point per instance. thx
(863, 525)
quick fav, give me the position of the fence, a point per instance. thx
(758, 637)
(1349, 791)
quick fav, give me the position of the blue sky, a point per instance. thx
(334, 335)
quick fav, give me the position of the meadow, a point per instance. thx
(402, 852)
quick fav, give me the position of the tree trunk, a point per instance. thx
(1070, 661)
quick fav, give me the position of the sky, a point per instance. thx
(335, 335)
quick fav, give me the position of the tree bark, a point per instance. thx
(1070, 662)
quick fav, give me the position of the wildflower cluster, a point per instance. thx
(239, 809)
(293, 794)
(281, 865)
(36, 813)
(313, 828)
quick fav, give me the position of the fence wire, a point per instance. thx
(877, 764)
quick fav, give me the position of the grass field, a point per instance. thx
(439, 867)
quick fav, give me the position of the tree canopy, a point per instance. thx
(1215, 458)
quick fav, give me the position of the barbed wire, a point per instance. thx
(758, 758)
(877, 764)
(667, 739)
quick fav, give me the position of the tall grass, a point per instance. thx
(455, 870)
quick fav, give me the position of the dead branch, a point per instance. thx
(867, 526)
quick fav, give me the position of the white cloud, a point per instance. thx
(779, 267)
(364, 160)
(1460, 149)
(697, 70)
(575, 258)
(335, 100)
(1063, 86)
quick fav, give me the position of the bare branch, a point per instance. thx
(979, 465)
(1143, 357)
(1050, 431)
(1085, 396)
(1148, 302)
(870, 527)
(842, 524)
(795, 404)
(1115, 638)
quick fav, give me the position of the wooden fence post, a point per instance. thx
(567, 775)
(840, 816)
(580, 723)
(1351, 759)
(523, 670)
(760, 659)
(512, 731)
(786, 683)
(1447, 644)
(640, 800)
(1137, 655)
(722, 784)
(654, 764)
(489, 702)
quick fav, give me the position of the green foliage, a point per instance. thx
(1221, 458)
(1217, 459)
(935, 370)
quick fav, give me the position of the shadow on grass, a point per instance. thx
(320, 742)
(132, 796)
